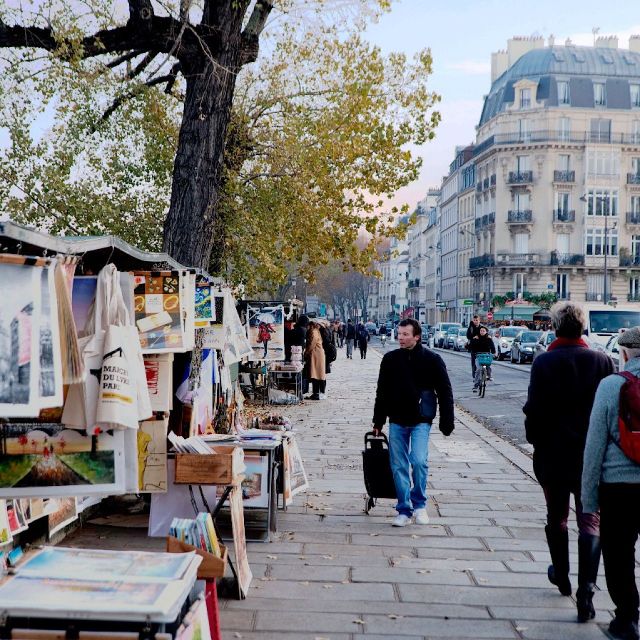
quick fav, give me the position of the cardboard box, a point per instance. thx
(224, 467)
(210, 567)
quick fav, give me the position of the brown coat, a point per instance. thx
(314, 355)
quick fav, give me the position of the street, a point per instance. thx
(501, 409)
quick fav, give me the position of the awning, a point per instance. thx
(517, 312)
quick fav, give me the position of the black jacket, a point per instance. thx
(482, 345)
(473, 331)
(561, 391)
(350, 332)
(404, 373)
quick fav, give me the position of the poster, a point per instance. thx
(159, 373)
(43, 460)
(5, 530)
(265, 331)
(255, 488)
(298, 475)
(82, 300)
(187, 302)
(36, 508)
(62, 511)
(17, 521)
(214, 334)
(50, 386)
(239, 540)
(158, 298)
(286, 463)
(152, 456)
(195, 625)
(19, 352)
(202, 399)
(205, 310)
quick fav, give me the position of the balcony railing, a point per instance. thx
(481, 262)
(633, 297)
(520, 177)
(485, 184)
(492, 180)
(486, 220)
(414, 284)
(562, 215)
(543, 136)
(566, 258)
(478, 224)
(479, 187)
(596, 297)
(633, 178)
(520, 216)
(564, 176)
(629, 261)
(633, 217)
(518, 259)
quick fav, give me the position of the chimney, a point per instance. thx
(634, 43)
(552, 40)
(499, 64)
(607, 42)
(568, 42)
(519, 45)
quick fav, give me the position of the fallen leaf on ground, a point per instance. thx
(358, 621)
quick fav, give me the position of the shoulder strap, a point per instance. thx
(627, 375)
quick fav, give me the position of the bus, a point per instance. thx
(604, 321)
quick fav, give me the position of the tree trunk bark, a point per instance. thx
(190, 226)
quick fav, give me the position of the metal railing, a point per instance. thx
(485, 183)
(633, 178)
(564, 176)
(520, 177)
(596, 297)
(520, 216)
(629, 261)
(481, 262)
(518, 259)
(633, 297)
(562, 215)
(575, 259)
(633, 217)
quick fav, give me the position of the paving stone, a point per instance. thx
(401, 575)
(302, 572)
(304, 589)
(553, 630)
(545, 614)
(326, 622)
(439, 627)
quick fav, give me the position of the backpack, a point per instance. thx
(629, 416)
(330, 351)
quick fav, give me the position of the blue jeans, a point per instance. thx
(409, 448)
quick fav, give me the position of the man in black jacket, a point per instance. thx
(473, 333)
(404, 374)
(350, 336)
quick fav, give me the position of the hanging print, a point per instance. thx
(265, 330)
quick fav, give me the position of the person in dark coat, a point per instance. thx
(473, 332)
(350, 336)
(481, 344)
(404, 374)
(562, 389)
(362, 339)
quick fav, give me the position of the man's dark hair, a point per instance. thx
(476, 317)
(411, 322)
(349, 320)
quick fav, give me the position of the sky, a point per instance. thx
(462, 35)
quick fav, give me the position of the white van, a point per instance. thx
(440, 332)
(604, 321)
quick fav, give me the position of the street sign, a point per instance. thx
(441, 304)
(551, 286)
(489, 316)
(467, 302)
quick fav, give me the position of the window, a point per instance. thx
(562, 243)
(603, 162)
(635, 246)
(600, 130)
(635, 166)
(595, 244)
(524, 131)
(634, 289)
(522, 163)
(525, 98)
(564, 162)
(563, 93)
(522, 201)
(635, 132)
(562, 286)
(602, 202)
(635, 95)
(599, 97)
(519, 283)
(564, 128)
(595, 285)
(635, 204)
(521, 243)
(562, 202)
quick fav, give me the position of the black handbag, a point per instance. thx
(428, 405)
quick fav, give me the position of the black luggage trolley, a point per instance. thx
(378, 479)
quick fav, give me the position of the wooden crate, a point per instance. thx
(210, 567)
(222, 468)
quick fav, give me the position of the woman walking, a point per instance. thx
(315, 361)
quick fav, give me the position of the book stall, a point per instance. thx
(120, 374)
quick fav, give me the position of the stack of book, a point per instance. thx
(199, 533)
(194, 444)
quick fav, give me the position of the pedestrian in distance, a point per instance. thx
(411, 382)
(330, 353)
(611, 482)
(350, 336)
(362, 338)
(315, 361)
(482, 343)
(341, 334)
(561, 392)
(473, 332)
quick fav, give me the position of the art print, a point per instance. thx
(255, 487)
(50, 386)
(82, 301)
(159, 311)
(43, 460)
(152, 456)
(17, 521)
(159, 374)
(265, 331)
(6, 536)
(65, 511)
(19, 343)
(299, 481)
(205, 311)
(239, 540)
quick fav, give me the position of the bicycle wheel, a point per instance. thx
(483, 382)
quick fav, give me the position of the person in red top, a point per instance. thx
(264, 335)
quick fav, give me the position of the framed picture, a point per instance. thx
(64, 512)
(255, 486)
(265, 331)
(6, 536)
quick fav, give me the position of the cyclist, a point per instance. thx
(483, 344)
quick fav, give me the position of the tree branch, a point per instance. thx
(142, 65)
(123, 58)
(255, 26)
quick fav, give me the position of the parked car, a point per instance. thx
(426, 334)
(543, 343)
(440, 332)
(613, 351)
(372, 328)
(523, 345)
(450, 337)
(460, 339)
(503, 338)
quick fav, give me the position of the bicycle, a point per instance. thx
(484, 360)
(383, 340)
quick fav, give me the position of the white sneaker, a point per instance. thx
(401, 520)
(323, 396)
(421, 516)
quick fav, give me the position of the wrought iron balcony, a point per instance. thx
(520, 216)
(596, 297)
(564, 176)
(629, 261)
(518, 259)
(574, 259)
(478, 224)
(414, 284)
(485, 183)
(520, 177)
(633, 217)
(481, 262)
(633, 178)
(633, 297)
(563, 215)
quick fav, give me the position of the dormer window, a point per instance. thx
(635, 94)
(563, 93)
(599, 95)
(525, 98)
